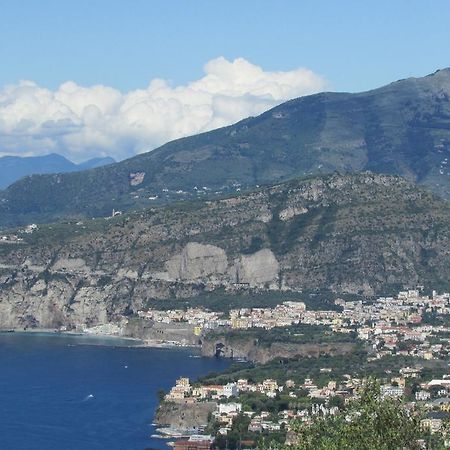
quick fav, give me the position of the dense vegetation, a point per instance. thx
(299, 368)
(369, 423)
(223, 301)
(295, 334)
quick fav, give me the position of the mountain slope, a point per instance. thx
(402, 128)
(12, 168)
(96, 162)
(362, 233)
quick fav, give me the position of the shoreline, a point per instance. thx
(140, 343)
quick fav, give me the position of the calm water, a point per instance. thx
(73, 392)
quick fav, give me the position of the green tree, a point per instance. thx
(369, 423)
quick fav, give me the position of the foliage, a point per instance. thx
(223, 301)
(369, 423)
(299, 368)
(295, 334)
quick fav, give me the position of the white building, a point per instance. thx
(230, 390)
(230, 408)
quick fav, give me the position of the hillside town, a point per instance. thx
(302, 402)
(410, 324)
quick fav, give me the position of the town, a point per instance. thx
(410, 325)
(301, 402)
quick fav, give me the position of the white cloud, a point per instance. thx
(81, 122)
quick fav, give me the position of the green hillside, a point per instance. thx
(402, 128)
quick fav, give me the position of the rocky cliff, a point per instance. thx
(350, 233)
(250, 349)
(184, 416)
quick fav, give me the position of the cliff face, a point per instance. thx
(252, 351)
(184, 416)
(349, 233)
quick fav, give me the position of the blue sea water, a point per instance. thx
(75, 392)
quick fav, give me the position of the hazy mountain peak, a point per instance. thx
(13, 168)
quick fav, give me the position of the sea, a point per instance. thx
(64, 392)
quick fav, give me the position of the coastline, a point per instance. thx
(123, 377)
(142, 343)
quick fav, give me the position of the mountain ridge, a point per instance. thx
(12, 168)
(402, 128)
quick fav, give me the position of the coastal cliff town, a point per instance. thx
(393, 330)
(274, 409)
(409, 324)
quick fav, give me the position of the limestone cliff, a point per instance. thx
(250, 350)
(350, 233)
(184, 416)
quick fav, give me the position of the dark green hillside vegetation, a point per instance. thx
(222, 301)
(402, 128)
(295, 334)
(377, 424)
(302, 367)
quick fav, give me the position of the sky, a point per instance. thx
(91, 78)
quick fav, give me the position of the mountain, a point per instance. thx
(13, 168)
(96, 162)
(402, 128)
(355, 233)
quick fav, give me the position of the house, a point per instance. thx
(230, 408)
(422, 395)
(230, 390)
(387, 390)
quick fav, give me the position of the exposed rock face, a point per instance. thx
(252, 351)
(197, 261)
(291, 212)
(200, 262)
(257, 269)
(184, 416)
(361, 233)
(70, 264)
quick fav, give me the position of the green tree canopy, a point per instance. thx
(368, 423)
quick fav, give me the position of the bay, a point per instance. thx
(77, 392)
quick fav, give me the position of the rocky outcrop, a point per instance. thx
(260, 268)
(197, 261)
(208, 263)
(251, 350)
(291, 211)
(184, 416)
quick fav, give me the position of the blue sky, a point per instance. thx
(123, 77)
(356, 45)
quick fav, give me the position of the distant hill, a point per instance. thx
(95, 162)
(13, 168)
(402, 128)
(358, 234)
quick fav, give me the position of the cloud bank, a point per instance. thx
(81, 122)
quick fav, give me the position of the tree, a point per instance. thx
(161, 395)
(368, 423)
